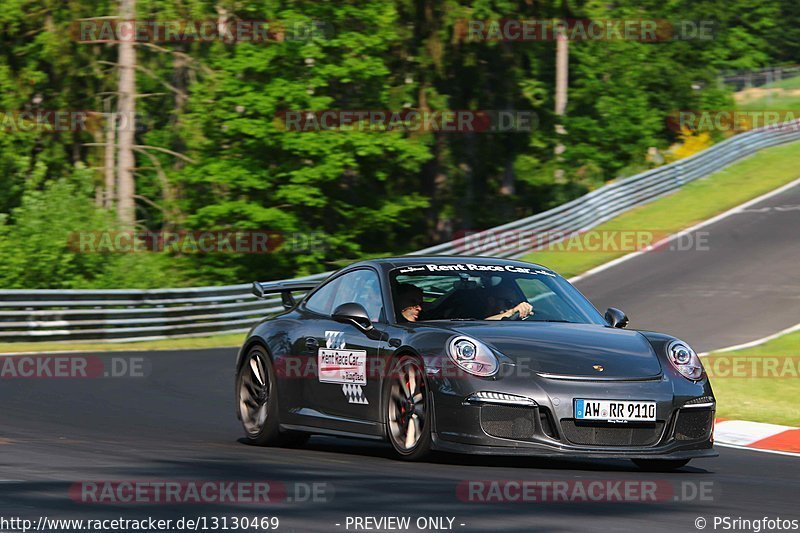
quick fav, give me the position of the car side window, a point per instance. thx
(320, 302)
(362, 287)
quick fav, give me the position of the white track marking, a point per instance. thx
(756, 342)
(777, 452)
(742, 432)
(712, 220)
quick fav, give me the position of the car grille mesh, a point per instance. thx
(597, 435)
(508, 422)
(693, 424)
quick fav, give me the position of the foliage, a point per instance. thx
(214, 154)
(42, 249)
(690, 143)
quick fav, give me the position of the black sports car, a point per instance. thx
(472, 355)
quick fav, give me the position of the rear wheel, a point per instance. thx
(258, 402)
(660, 465)
(407, 410)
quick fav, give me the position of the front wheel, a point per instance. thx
(660, 465)
(407, 410)
(257, 400)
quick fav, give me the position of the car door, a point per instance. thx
(349, 367)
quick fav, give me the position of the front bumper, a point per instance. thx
(548, 428)
(569, 452)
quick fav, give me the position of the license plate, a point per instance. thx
(615, 410)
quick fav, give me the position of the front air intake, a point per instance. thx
(508, 422)
(694, 424)
(592, 434)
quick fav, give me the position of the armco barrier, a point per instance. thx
(117, 315)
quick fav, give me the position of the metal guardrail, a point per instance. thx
(120, 315)
(744, 79)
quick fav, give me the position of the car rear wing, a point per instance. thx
(285, 288)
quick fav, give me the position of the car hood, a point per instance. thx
(570, 349)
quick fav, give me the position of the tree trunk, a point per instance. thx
(110, 174)
(126, 209)
(562, 75)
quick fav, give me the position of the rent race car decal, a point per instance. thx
(335, 339)
(342, 366)
(408, 270)
(354, 394)
(471, 267)
(338, 365)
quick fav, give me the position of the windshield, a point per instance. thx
(466, 291)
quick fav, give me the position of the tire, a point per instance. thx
(257, 402)
(407, 410)
(660, 465)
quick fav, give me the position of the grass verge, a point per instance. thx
(215, 341)
(782, 95)
(759, 383)
(697, 201)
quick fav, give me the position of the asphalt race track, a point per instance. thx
(177, 423)
(738, 281)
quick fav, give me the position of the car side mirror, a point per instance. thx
(355, 314)
(616, 318)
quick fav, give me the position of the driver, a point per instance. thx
(409, 301)
(501, 304)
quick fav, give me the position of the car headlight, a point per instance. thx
(472, 356)
(684, 360)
